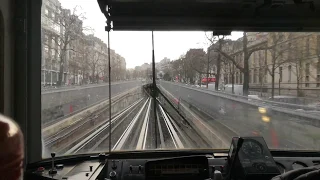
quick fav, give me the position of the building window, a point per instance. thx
(255, 76)
(240, 77)
(46, 49)
(56, 28)
(261, 75)
(307, 81)
(49, 44)
(266, 75)
(307, 47)
(49, 15)
(281, 51)
(280, 74)
(55, 19)
(318, 44)
(46, 40)
(53, 16)
(250, 78)
(289, 51)
(53, 42)
(307, 69)
(53, 53)
(254, 59)
(226, 79)
(289, 73)
(237, 77)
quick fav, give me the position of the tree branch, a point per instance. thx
(231, 59)
(251, 50)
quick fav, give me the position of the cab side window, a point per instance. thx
(1, 63)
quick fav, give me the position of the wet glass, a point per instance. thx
(203, 91)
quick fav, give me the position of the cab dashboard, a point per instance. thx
(248, 163)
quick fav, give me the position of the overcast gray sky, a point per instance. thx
(135, 47)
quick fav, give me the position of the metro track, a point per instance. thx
(115, 98)
(132, 128)
(138, 127)
(99, 137)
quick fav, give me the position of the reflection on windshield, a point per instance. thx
(208, 88)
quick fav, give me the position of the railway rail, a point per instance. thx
(132, 128)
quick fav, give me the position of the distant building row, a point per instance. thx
(67, 51)
(294, 57)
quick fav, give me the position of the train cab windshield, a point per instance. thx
(201, 82)
(151, 90)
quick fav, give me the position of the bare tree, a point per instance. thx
(94, 63)
(298, 61)
(278, 50)
(195, 59)
(69, 23)
(244, 65)
(215, 39)
(85, 51)
(73, 68)
(116, 69)
(176, 66)
(262, 70)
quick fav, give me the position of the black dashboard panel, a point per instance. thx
(192, 167)
(140, 166)
(250, 158)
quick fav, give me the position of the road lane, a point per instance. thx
(280, 131)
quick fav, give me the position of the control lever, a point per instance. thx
(114, 165)
(53, 170)
(217, 175)
(140, 168)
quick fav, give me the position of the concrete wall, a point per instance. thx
(63, 102)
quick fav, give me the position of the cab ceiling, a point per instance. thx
(208, 15)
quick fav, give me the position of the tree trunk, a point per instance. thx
(261, 85)
(245, 66)
(232, 81)
(60, 81)
(218, 67)
(246, 83)
(246, 78)
(273, 55)
(207, 82)
(92, 75)
(74, 76)
(298, 87)
(62, 59)
(272, 84)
